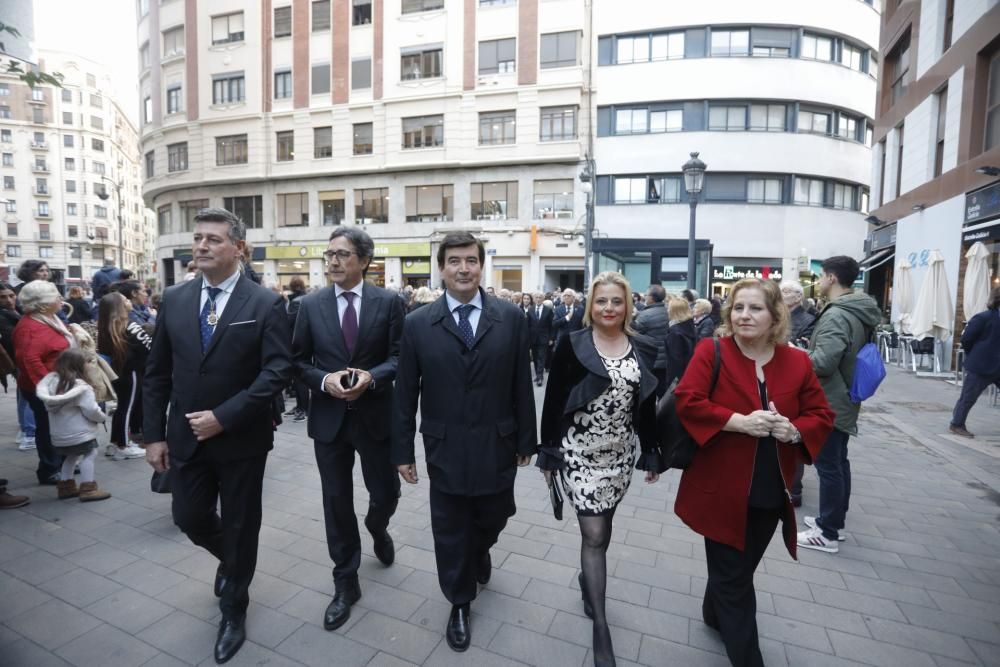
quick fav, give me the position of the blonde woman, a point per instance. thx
(599, 411)
(680, 340)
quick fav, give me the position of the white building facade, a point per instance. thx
(778, 97)
(413, 118)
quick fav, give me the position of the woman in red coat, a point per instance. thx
(766, 411)
(39, 337)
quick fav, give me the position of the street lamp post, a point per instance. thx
(103, 196)
(587, 185)
(694, 178)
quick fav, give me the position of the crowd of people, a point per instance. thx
(759, 382)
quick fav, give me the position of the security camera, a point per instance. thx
(580, 243)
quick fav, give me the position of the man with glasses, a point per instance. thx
(345, 348)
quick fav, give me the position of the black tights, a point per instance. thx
(596, 536)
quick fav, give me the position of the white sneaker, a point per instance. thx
(811, 522)
(813, 539)
(19, 438)
(130, 452)
(27, 444)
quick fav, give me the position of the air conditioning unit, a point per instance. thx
(564, 214)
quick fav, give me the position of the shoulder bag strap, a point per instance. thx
(716, 365)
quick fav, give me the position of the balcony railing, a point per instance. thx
(41, 192)
(40, 168)
(42, 214)
(40, 145)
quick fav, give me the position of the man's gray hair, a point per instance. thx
(237, 230)
(793, 285)
(363, 244)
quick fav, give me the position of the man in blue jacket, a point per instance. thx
(981, 342)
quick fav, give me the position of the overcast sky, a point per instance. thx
(101, 30)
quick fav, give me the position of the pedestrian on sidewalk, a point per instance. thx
(599, 412)
(464, 360)
(9, 317)
(981, 342)
(766, 410)
(73, 418)
(841, 330)
(125, 345)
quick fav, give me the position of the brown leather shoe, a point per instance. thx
(960, 430)
(9, 502)
(89, 491)
(67, 489)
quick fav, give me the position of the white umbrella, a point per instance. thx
(903, 287)
(933, 315)
(977, 280)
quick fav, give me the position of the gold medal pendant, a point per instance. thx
(212, 319)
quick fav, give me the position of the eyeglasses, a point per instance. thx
(341, 255)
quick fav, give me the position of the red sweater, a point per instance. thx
(714, 492)
(37, 345)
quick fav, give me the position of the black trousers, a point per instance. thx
(198, 486)
(336, 471)
(661, 381)
(49, 459)
(464, 528)
(301, 395)
(730, 600)
(539, 352)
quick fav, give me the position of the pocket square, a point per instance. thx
(235, 324)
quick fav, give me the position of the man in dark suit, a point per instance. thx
(568, 316)
(464, 358)
(219, 356)
(653, 322)
(540, 334)
(346, 333)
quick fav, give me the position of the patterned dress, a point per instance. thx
(600, 447)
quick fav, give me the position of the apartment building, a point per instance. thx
(411, 117)
(71, 178)
(937, 144)
(778, 97)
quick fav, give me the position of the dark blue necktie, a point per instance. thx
(465, 326)
(207, 329)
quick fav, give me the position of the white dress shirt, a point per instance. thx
(477, 301)
(227, 286)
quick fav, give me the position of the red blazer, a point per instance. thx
(36, 346)
(713, 497)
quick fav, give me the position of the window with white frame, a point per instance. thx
(175, 102)
(730, 43)
(420, 63)
(173, 42)
(843, 196)
(558, 123)
(231, 149)
(851, 56)
(423, 131)
(632, 121)
(668, 120)
(667, 46)
(816, 47)
(764, 190)
(494, 201)
(70, 208)
(814, 121)
(497, 56)
(363, 138)
(8, 159)
(282, 84)
(147, 110)
(767, 117)
(228, 88)
(249, 209)
(163, 220)
(150, 164)
(808, 191)
(430, 203)
(847, 127)
(227, 28)
(727, 118)
(632, 49)
(630, 190)
(322, 142)
(144, 56)
(559, 49)
(285, 145)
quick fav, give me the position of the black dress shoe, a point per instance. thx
(232, 634)
(339, 610)
(220, 580)
(485, 569)
(385, 549)
(459, 631)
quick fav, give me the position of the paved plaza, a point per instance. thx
(917, 582)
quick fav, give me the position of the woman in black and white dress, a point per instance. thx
(598, 424)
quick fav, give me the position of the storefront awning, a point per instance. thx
(877, 259)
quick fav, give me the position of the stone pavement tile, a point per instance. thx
(655, 651)
(52, 624)
(416, 558)
(44, 535)
(194, 597)
(422, 583)
(433, 616)
(388, 600)
(182, 636)
(12, 548)
(660, 544)
(306, 527)
(518, 528)
(25, 652)
(311, 645)
(694, 566)
(80, 587)
(277, 538)
(536, 649)
(877, 652)
(969, 560)
(7, 636)
(508, 583)
(954, 623)
(554, 536)
(988, 652)
(164, 660)
(554, 597)
(659, 577)
(37, 566)
(18, 597)
(515, 611)
(820, 615)
(309, 549)
(120, 535)
(774, 584)
(273, 562)
(570, 557)
(309, 606)
(818, 574)
(148, 578)
(443, 656)
(525, 547)
(269, 628)
(984, 609)
(580, 631)
(540, 569)
(888, 590)
(675, 603)
(386, 660)
(921, 639)
(107, 645)
(647, 621)
(271, 591)
(803, 656)
(980, 591)
(374, 570)
(857, 552)
(399, 638)
(252, 654)
(128, 610)
(796, 632)
(856, 602)
(310, 575)
(161, 550)
(773, 653)
(624, 590)
(924, 580)
(101, 558)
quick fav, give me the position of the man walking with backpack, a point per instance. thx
(842, 329)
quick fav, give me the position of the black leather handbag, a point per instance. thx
(676, 445)
(556, 496)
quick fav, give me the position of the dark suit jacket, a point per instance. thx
(540, 328)
(318, 348)
(981, 342)
(477, 407)
(246, 364)
(559, 324)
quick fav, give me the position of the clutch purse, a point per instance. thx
(160, 482)
(555, 496)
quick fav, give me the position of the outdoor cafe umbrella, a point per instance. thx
(903, 285)
(977, 280)
(933, 314)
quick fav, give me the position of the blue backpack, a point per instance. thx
(869, 371)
